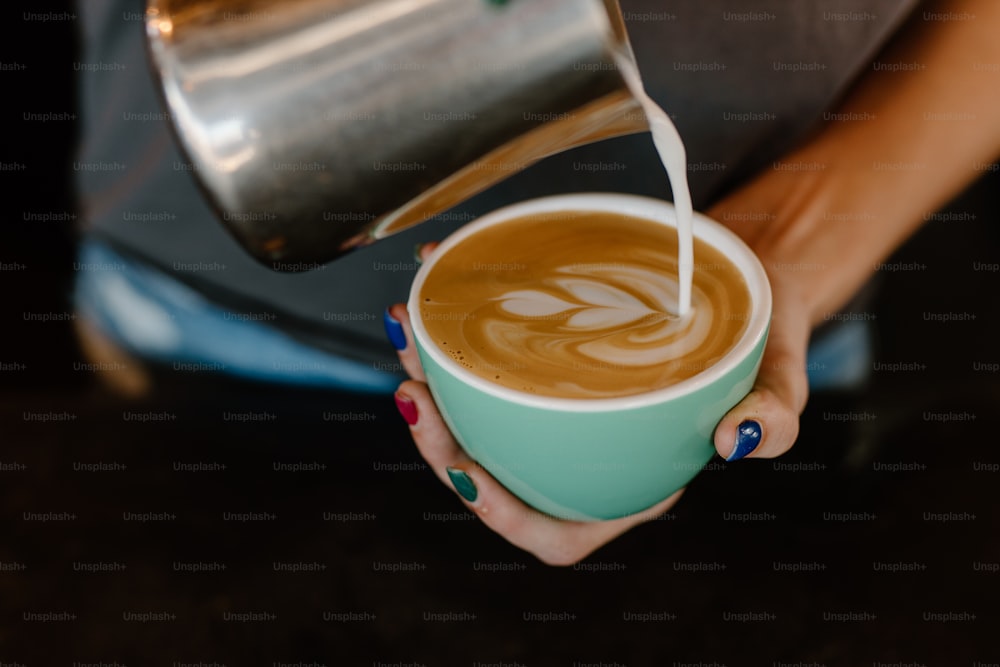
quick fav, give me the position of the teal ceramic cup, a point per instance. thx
(596, 459)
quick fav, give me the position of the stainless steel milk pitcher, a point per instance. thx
(317, 126)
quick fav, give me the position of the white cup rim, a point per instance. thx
(648, 208)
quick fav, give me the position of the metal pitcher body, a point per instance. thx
(317, 126)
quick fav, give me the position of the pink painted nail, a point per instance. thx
(406, 407)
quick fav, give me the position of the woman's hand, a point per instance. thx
(553, 541)
(821, 231)
(765, 424)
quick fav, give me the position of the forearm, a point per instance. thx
(860, 187)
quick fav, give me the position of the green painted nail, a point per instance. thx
(463, 484)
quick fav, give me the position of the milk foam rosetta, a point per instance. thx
(581, 305)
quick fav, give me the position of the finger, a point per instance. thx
(400, 334)
(761, 426)
(765, 424)
(398, 328)
(423, 251)
(430, 432)
(553, 541)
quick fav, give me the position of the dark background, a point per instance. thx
(373, 478)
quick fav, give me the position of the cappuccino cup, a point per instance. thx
(550, 340)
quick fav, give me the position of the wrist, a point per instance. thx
(787, 216)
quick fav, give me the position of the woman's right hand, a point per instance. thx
(553, 541)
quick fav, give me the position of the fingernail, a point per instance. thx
(747, 438)
(394, 330)
(463, 484)
(406, 407)
(416, 253)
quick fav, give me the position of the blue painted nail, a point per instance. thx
(747, 438)
(463, 484)
(394, 330)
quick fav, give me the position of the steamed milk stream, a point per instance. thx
(589, 304)
(670, 148)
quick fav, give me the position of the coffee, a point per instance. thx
(581, 304)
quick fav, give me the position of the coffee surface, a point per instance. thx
(581, 305)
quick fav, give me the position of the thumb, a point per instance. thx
(765, 424)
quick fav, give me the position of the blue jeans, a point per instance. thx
(160, 319)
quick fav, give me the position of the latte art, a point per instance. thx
(586, 309)
(614, 317)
